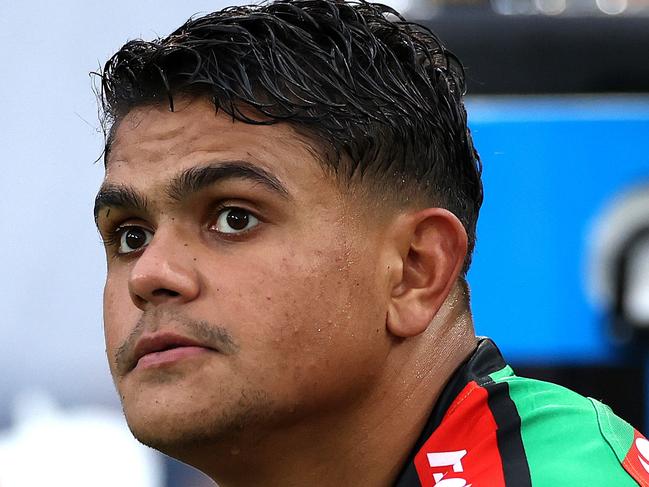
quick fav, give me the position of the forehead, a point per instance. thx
(152, 143)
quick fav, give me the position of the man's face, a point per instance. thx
(243, 286)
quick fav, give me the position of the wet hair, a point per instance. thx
(381, 97)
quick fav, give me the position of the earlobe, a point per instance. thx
(433, 246)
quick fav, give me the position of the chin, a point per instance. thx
(181, 426)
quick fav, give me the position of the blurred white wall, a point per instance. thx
(75, 448)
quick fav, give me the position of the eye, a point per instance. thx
(234, 220)
(133, 238)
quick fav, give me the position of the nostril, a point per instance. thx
(165, 292)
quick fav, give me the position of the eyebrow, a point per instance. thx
(188, 182)
(118, 196)
(195, 179)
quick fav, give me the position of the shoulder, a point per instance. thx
(490, 427)
(569, 439)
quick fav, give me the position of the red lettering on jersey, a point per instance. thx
(636, 461)
(466, 442)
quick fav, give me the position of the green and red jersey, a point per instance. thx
(490, 428)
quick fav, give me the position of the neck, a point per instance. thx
(364, 444)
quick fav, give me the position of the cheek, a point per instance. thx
(120, 314)
(309, 319)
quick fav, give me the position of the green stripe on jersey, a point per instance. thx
(617, 432)
(561, 435)
(501, 374)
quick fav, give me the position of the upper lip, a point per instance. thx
(159, 342)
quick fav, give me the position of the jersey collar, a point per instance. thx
(486, 359)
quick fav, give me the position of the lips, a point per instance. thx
(164, 349)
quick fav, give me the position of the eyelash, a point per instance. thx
(114, 234)
(220, 208)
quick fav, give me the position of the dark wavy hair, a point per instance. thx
(381, 97)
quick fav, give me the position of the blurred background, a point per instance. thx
(559, 108)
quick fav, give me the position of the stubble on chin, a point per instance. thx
(179, 433)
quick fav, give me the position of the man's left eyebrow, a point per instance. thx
(198, 178)
(118, 196)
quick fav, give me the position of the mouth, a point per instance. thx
(165, 349)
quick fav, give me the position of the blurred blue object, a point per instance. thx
(551, 167)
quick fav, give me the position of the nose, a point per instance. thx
(163, 273)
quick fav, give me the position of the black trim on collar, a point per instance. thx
(486, 359)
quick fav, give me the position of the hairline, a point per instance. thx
(331, 161)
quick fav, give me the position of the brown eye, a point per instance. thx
(235, 220)
(133, 238)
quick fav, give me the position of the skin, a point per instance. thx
(336, 328)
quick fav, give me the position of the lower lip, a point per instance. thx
(167, 357)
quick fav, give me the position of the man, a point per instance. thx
(289, 211)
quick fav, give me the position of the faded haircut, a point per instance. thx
(380, 95)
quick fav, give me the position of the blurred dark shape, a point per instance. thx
(541, 54)
(629, 320)
(619, 270)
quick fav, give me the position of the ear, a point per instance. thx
(432, 245)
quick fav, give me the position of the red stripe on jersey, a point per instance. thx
(636, 461)
(463, 450)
